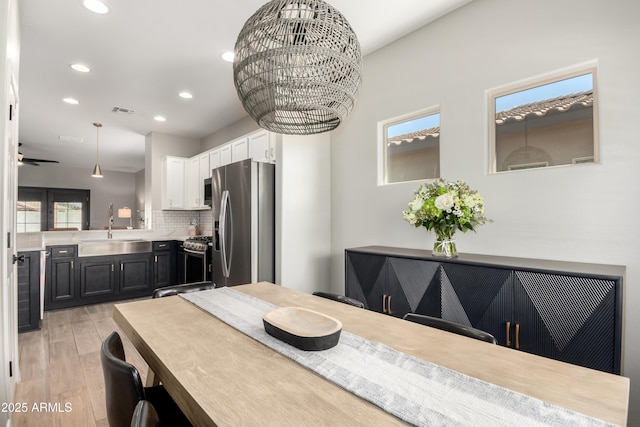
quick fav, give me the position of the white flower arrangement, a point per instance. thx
(446, 207)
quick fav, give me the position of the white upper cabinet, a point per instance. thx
(198, 171)
(240, 149)
(262, 146)
(173, 183)
(183, 179)
(205, 166)
(214, 159)
(225, 154)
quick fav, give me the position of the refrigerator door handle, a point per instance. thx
(222, 231)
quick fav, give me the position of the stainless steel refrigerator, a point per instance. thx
(243, 204)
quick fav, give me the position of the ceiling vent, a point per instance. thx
(72, 139)
(121, 110)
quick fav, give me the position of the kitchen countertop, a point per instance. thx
(39, 241)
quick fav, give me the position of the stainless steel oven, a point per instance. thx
(197, 259)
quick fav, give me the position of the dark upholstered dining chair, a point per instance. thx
(145, 415)
(340, 298)
(124, 390)
(168, 291)
(448, 326)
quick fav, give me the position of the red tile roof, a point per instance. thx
(419, 135)
(541, 108)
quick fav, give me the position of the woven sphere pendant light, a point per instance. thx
(297, 67)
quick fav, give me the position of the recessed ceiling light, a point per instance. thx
(228, 56)
(185, 95)
(96, 6)
(160, 119)
(80, 68)
(71, 101)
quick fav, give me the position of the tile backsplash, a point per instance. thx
(180, 220)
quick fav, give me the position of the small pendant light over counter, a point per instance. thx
(97, 172)
(297, 67)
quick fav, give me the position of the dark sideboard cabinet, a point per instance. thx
(562, 310)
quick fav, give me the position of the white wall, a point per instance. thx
(138, 209)
(303, 212)
(584, 213)
(118, 188)
(229, 133)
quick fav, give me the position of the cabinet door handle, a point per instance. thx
(508, 334)
(271, 151)
(112, 268)
(386, 304)
(266, 154)
(62, 252)
(72, 265)
(121, 267)
(517, 336)
(162, 245)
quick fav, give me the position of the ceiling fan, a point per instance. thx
(29, 161)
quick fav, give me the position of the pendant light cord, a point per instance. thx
(98, 126)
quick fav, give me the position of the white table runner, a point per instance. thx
(416, 391)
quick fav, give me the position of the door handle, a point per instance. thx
(386, 304)
(508, 334)
(222, 230)
(19, 258)
(517, 336)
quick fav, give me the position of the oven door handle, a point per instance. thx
(223, 237)
(194, 252)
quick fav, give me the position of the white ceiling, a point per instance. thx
(141, 55)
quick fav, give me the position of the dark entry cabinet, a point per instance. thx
(566, 311)
(28, 291)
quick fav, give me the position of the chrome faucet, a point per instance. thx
(110, 233)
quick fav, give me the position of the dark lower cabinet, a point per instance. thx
(97, 276)
(74, 281)
(135, 273)
(28, 282)
(164, 270)
(60, 277)
(566, 311)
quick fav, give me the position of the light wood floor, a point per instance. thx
(60, 363)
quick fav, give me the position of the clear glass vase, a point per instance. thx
(444, 245)
(445, 248)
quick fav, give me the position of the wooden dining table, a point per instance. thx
(219, 376)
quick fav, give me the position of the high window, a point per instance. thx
(410, 147)
(546, 123)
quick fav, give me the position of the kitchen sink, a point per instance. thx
(113, 247)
